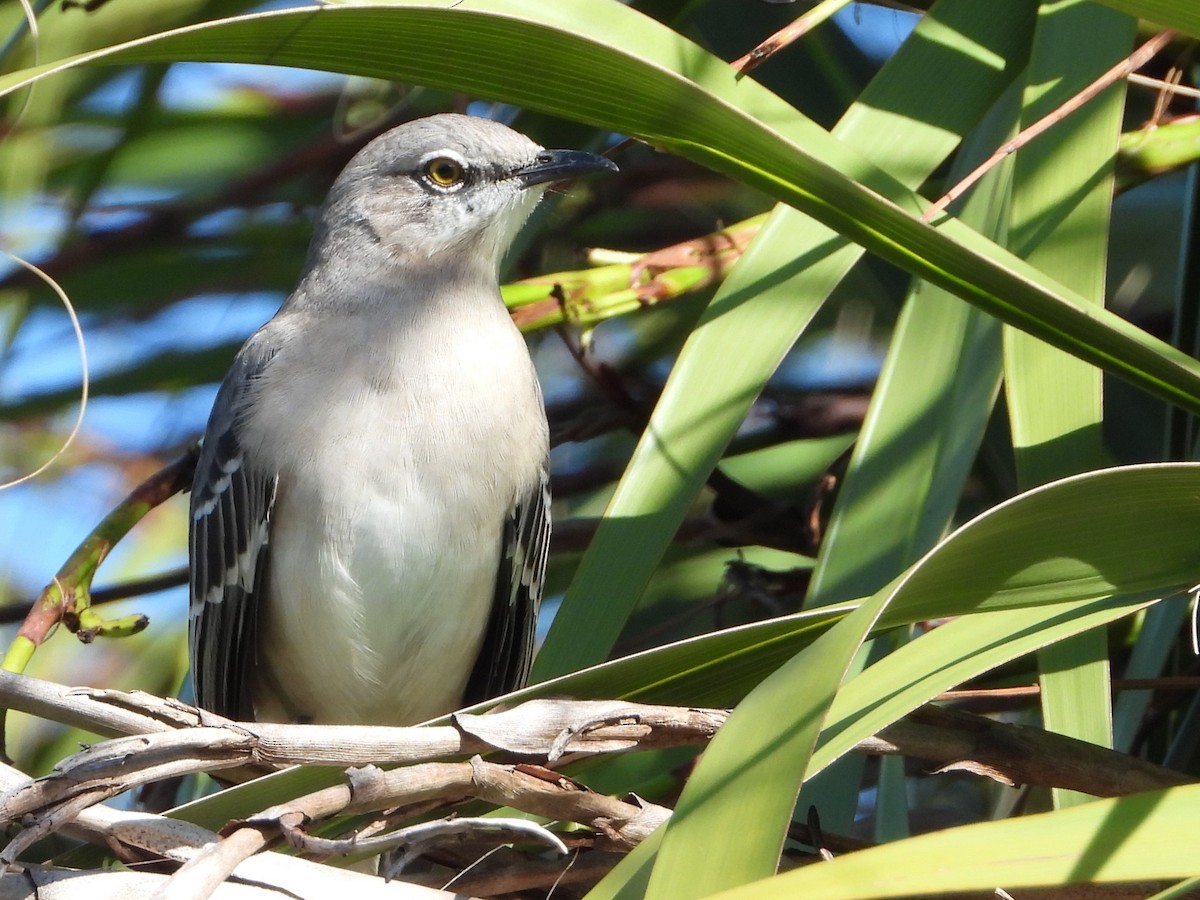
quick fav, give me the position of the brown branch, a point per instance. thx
(549, 732)
(142, 837)
(1135, 61)
(528, 788)
(1164, 683)
(1169, 86)
(507, 872)
(417, 839)
(1019, 754)
(554, 731)
(787, 35)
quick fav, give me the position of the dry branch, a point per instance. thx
(135, 837)
(1122, 69)
(527, 788)
(542, 730)
(1019, 754)
(524, 743)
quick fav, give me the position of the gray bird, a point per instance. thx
(370, 511)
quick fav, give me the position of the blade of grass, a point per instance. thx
(767, 301)
(949, 655)
(918, 442)
(732, 817)
(927, 413)
(1062, 199)
(1102, 842)
(1181, 14)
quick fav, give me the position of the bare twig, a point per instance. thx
(539, 729)
(268, 883)
(787, 35)
(542, 729)
(1164, 86)
(214, 864)
(529, 788)
(415, 838)
(141, 836)
(546, 732)
(1163, 683)
(1019, 754)
(530, 729)
(1122, 69)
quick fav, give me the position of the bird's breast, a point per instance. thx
(387, 528)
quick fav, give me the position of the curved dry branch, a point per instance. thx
(525, 742)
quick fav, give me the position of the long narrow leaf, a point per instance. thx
(765, 303)
(1078, 529)
(1062, 196)
(1139, 838)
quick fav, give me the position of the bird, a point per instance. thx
(370, 512)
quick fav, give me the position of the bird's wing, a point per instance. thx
(507, 652)
(228, 548)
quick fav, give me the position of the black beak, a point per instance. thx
(559, 165)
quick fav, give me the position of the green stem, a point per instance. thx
(67, 598)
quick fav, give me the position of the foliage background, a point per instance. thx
(174, 210)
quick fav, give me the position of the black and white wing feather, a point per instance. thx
(228, 546)
(507, 651)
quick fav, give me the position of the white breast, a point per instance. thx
(387, 527)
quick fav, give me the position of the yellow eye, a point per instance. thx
(444, 171)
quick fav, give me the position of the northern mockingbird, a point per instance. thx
(370, 512)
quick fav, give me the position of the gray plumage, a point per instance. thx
(370, 513)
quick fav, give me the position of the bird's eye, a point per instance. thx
(444, 172)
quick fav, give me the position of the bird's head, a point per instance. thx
(437, 188)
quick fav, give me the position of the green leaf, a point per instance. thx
(928, 412)
(1062, 197)
(1116, 532)
(1181, 14)
(730, 822)
(1102, 842)
(947, 656)
(917, 444)
(766, 302)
